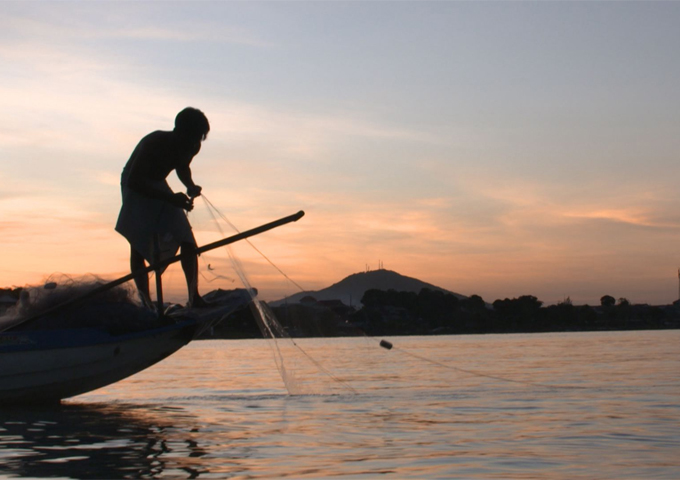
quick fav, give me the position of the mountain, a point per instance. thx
(351, 289)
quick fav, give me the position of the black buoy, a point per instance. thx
(385, 344)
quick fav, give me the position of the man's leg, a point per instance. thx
(141, 279)
(190, 267)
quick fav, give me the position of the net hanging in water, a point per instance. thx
(300, 372)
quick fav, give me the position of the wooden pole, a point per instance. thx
(160, 265)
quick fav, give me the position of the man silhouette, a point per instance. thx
(153, 217)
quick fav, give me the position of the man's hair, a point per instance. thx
(192, 121)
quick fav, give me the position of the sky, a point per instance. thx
(490, 148)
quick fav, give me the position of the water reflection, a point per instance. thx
(99, 441)
(218, 410)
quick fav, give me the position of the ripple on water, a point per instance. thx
(410, 419)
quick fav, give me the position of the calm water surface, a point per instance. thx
(220, 409)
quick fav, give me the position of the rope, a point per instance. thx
(389, 346)
(267, 314)
(212, 208)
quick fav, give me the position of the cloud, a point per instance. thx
(127, 22)
(498, 203)
(637, 217)
(625, 216)
(105, 177)
(47, 234)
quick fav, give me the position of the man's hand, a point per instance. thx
(180, 200)
(194, 191)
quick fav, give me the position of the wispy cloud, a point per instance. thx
(407, 159)
(126, 23)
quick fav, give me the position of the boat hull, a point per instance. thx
(48, 366)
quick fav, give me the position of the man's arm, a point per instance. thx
(184, 175)
(178, 199)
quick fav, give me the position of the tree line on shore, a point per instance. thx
(438, 312)
(431, 312)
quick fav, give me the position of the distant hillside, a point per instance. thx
(351, 289)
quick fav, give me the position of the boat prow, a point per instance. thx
(43, 366)
(59, 358)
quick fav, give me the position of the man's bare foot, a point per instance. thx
(198, 302)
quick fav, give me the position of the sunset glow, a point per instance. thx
(490, 148)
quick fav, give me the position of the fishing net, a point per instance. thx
(59, 287)
(301, 373)
(116, 309)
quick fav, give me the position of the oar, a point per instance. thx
(163, 264)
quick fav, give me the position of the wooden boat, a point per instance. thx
(76, 347)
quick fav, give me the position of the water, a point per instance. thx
(219, 409)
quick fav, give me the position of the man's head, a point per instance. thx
(192, 123)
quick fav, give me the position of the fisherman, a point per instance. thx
(153, 217)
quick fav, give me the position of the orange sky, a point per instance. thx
(487, 148)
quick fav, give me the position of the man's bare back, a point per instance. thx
(156, 155)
